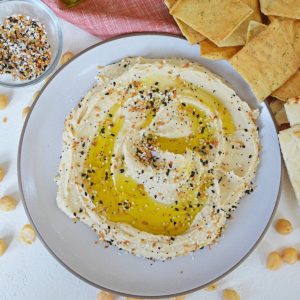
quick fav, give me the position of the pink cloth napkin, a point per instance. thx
(107, 18)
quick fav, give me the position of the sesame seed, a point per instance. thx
(25, 52)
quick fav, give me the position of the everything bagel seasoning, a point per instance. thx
(24, 49)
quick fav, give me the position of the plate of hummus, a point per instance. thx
(151, 167)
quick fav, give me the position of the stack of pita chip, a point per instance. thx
(290, 143)
(261, 40)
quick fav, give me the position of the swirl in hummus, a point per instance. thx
(156, 157)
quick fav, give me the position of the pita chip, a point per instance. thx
(282, 8)
(238, 37)
(269, 59)
(170, 3)
(292, 108)
(289, 89)
(290, 147)
(281, 117)
(189, 33)
(254, 28)
(276, 106)
(211, 51)
(297, 36)
(211, 17)
(272, 18)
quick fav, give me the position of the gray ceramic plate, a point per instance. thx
(73, 244)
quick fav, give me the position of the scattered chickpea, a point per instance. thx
(289, 255)
(2, 247)
(211, 287)
(104, 296)
(27, 235)
(180, 297)
(274, 261)
(3, 101)
(1, 174)
(283, 226)
(25, 111)
(230, 294)
(36, 94)
(66, 57)
(7, 203)
(4, 120)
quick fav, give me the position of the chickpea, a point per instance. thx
(230, 294)
(25, 112)
(211, 287)
(104, 296)
(27, 235)
(180, 297)
(274, 261)
(3, 101)
(66, 57)
(7, 203)
(289, 255)
(283, 226)
(1, 174)
(2, 247)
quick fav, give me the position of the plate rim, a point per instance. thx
(60, 261)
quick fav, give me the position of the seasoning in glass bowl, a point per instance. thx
(25, 52)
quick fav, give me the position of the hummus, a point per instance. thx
(156, 157)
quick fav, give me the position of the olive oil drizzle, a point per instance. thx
(122, 199)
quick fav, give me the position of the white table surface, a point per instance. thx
(31, 273)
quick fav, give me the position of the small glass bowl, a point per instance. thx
(35, 9)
